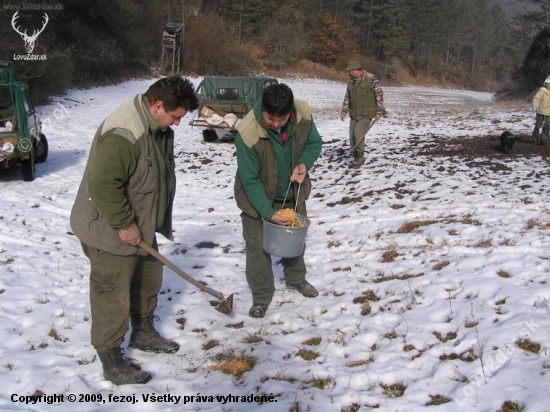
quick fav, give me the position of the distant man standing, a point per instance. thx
(364, 100)
(126, 195)
(541, 106)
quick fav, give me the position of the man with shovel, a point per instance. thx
(364, 101)
(126, 195)
(277, 144)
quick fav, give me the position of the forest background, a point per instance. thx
(474, 44)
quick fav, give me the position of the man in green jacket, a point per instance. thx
(277, 143)
(126, 195)
(364, 100)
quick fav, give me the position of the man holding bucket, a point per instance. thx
(277, 144)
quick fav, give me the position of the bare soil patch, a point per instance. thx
(481, 146)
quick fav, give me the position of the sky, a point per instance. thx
(432, 271)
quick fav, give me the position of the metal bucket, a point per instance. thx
(286, 242)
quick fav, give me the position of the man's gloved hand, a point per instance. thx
(534, 109)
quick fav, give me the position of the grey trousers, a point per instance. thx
(120, 287)
(357, 129)
(259, 273)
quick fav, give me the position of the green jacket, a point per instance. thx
(129, 177)
(265, 162)
(362, 103)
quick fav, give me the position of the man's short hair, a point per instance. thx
(174, 92)
(277, 100)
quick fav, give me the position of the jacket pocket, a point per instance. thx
(144, 179)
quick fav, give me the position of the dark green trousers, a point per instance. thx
(120, 287)
(259, 272)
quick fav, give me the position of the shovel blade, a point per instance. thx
(224, 306)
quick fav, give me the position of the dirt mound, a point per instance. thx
(481, 146)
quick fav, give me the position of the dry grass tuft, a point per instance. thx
(370, 295)
(366, 310)
(393, 391)
(313, 341)
(449, 336)
(410, 227)
(409, 347)
(53, 334)
(181, 323)
(233, 364)
(389, 335)
(468, 220)
(361, 362)
(389, 256)
(440, 265)
(510, 406)
(383, 278)
(279, 377)
(354, 407)
(503, 274)
(468, 356)
(528, 345)
(210, 344)
(235, 325)
(308, 354)
(437, 400)
(470, 323)
(333, 243)
(484, 243)
(318, 383)
(252, 338)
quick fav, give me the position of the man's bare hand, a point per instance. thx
(280, 220)
(131, 235)
(299, 173)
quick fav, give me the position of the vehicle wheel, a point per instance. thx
(28, 170)
(209, 135)
(41, 149)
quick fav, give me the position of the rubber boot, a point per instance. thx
(145, 337)
(359, 160)
(118, 370)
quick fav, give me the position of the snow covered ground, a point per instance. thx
(432, 272)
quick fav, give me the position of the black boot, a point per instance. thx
(144, 337)
(118, 370)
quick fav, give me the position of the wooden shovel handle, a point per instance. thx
(180, 272)
(373, 121)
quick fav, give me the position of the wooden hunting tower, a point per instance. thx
(172, 41)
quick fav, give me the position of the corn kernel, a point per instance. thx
(290, 214)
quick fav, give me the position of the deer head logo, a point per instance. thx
(29, 40)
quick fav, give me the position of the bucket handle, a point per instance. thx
(297, 195)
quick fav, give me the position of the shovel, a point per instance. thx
(358, 142)
(226, 304)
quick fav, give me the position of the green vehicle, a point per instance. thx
(21, 138)
(225, 100)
